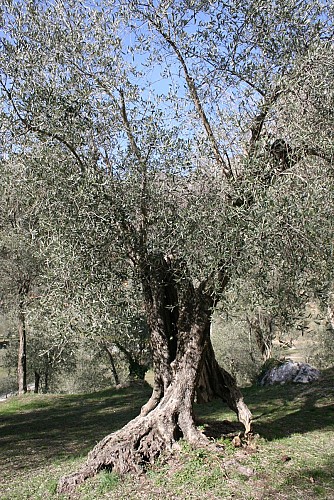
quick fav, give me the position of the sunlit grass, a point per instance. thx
(43, 437)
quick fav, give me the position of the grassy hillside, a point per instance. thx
(43, 437)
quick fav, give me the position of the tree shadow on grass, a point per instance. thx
(307, 419)
(43, 429)
(47, 429)
(313, 482)
(295, 408)
(278, 411)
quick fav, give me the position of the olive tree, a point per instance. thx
(164, 138)
(20, 262)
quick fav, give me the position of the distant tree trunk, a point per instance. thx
(179, 317)
(46, 381)
(37, 380)
(330, 309)
(265, 344)
(22, 351)
(112, 362)
(136, 370)
(263, 327)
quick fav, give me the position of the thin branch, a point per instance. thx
(33, 128)
(128, 129)
(231, 72)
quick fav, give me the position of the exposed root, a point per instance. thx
(215, 382)
(130, 449)
(166, 418)
(244, 415)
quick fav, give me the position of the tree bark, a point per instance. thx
(330, 308)
(179, 317)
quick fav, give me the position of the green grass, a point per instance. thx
(43, 437)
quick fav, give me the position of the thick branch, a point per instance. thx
(33, 128)
(194, 95)
(128, 129)
(143, 167)
(258, 122)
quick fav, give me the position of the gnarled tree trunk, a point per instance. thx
(179, 317)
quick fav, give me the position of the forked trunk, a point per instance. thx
(179, 318)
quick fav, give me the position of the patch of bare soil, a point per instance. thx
(217, 429)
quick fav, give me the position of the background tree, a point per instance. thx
(20, 262)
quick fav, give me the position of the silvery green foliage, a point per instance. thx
(148, 126)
